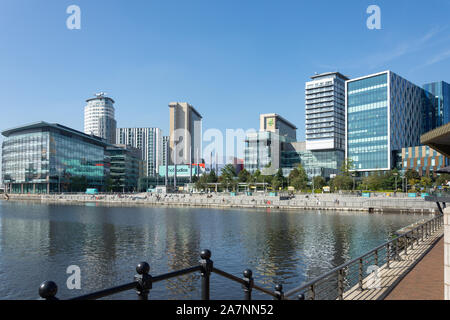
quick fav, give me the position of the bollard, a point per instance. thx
(301, 296)
(143, 280)
(48, 290)
(248, 286)
(207, 266)
(279, 292)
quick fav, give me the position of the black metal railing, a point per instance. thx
(332, 285)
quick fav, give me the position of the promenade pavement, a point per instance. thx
(425, 281)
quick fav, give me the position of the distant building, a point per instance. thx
(275, 123)
(322, 163)
(325, 111)
(99, 118)
(423, 159)
(45, 157)
(166, 149)
(263, 149)
(441, 91)
(185, 133)
(149, 141)
(384, 113)
(126, 167)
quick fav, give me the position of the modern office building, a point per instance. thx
(275, 123)
(265, 148)
(325, 112)
(99, 118)
(423, 159)
(384, 113)
(441, 91)
(44, 157)
(126, 167)
(185, 133)
(323, 163)
(149, 141)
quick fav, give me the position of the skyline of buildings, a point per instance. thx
(384, 114)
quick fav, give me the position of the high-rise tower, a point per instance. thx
(99, 117)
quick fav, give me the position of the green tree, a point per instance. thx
(412, 174)
(212, 177)
(319, 182)
(228, 176)
(426, 182)
(244, 176)
(278, 180)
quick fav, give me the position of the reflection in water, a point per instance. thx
(38, 242)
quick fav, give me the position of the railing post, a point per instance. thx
(422, 232)
(341, 284)
(360, 274)
(388, 255)
(376, 257)
(397, 256)
(406, 245)
(143, 280)
(48, 290)
(313, 292)
(279, 292)
(248, 286)
(207, 266)
(417, 236)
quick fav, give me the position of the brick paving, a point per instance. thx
(426, 280)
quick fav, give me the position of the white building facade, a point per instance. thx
(99, 118)
(325, 112)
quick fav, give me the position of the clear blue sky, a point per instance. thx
(231, 59)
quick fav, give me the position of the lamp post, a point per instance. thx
(395, 175)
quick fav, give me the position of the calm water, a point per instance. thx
(38, 242)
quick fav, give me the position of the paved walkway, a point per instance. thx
(426, 286)
(425, 281)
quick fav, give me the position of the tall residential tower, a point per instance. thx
(99, 118)
(325, 112)
(149, 141)
(185, 133)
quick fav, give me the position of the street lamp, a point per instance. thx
(395, 175)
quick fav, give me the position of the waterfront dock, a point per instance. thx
(336, 202)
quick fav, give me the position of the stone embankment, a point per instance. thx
(399, 204)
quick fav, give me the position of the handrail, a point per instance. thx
(338, 268)
(143, 281)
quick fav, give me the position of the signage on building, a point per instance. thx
(182, 171)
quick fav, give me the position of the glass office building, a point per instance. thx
(441, 91)
(384, 113)
(44, 158)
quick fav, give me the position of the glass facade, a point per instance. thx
(44, 157)
(126, 166)
(367, 122)
(441, 91)
(385, 113)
